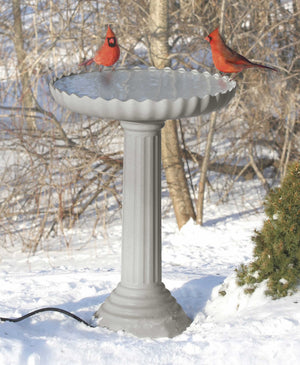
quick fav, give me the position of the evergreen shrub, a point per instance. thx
(277, 244)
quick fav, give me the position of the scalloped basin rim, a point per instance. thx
(230, 84)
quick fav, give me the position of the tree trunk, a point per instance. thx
(171, 155)
(26, 93)
(289, 134)
(175, 174)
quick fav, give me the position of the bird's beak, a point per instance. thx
(207, 39)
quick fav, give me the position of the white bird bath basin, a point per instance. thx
(142, 99)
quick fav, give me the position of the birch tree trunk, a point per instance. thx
(26, 93)
(171, 153)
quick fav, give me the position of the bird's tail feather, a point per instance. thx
(262, 66)
(87, 62)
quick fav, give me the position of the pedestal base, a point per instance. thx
(144, 312)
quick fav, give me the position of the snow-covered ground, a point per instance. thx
(198, 262)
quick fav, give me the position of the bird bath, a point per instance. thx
(142, 99)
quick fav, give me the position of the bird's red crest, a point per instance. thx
(110, 33)
(213, 35)
(111, 38)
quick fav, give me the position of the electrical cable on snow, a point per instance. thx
(47, 309)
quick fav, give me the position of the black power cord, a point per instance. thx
(47, 309)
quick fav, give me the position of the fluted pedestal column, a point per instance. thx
(141, 304)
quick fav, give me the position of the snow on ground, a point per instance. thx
(198, 262)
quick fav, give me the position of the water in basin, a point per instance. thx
(139, 84)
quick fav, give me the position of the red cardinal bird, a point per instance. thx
(227, 60)
(108, 54)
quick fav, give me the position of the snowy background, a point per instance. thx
(198, 263)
